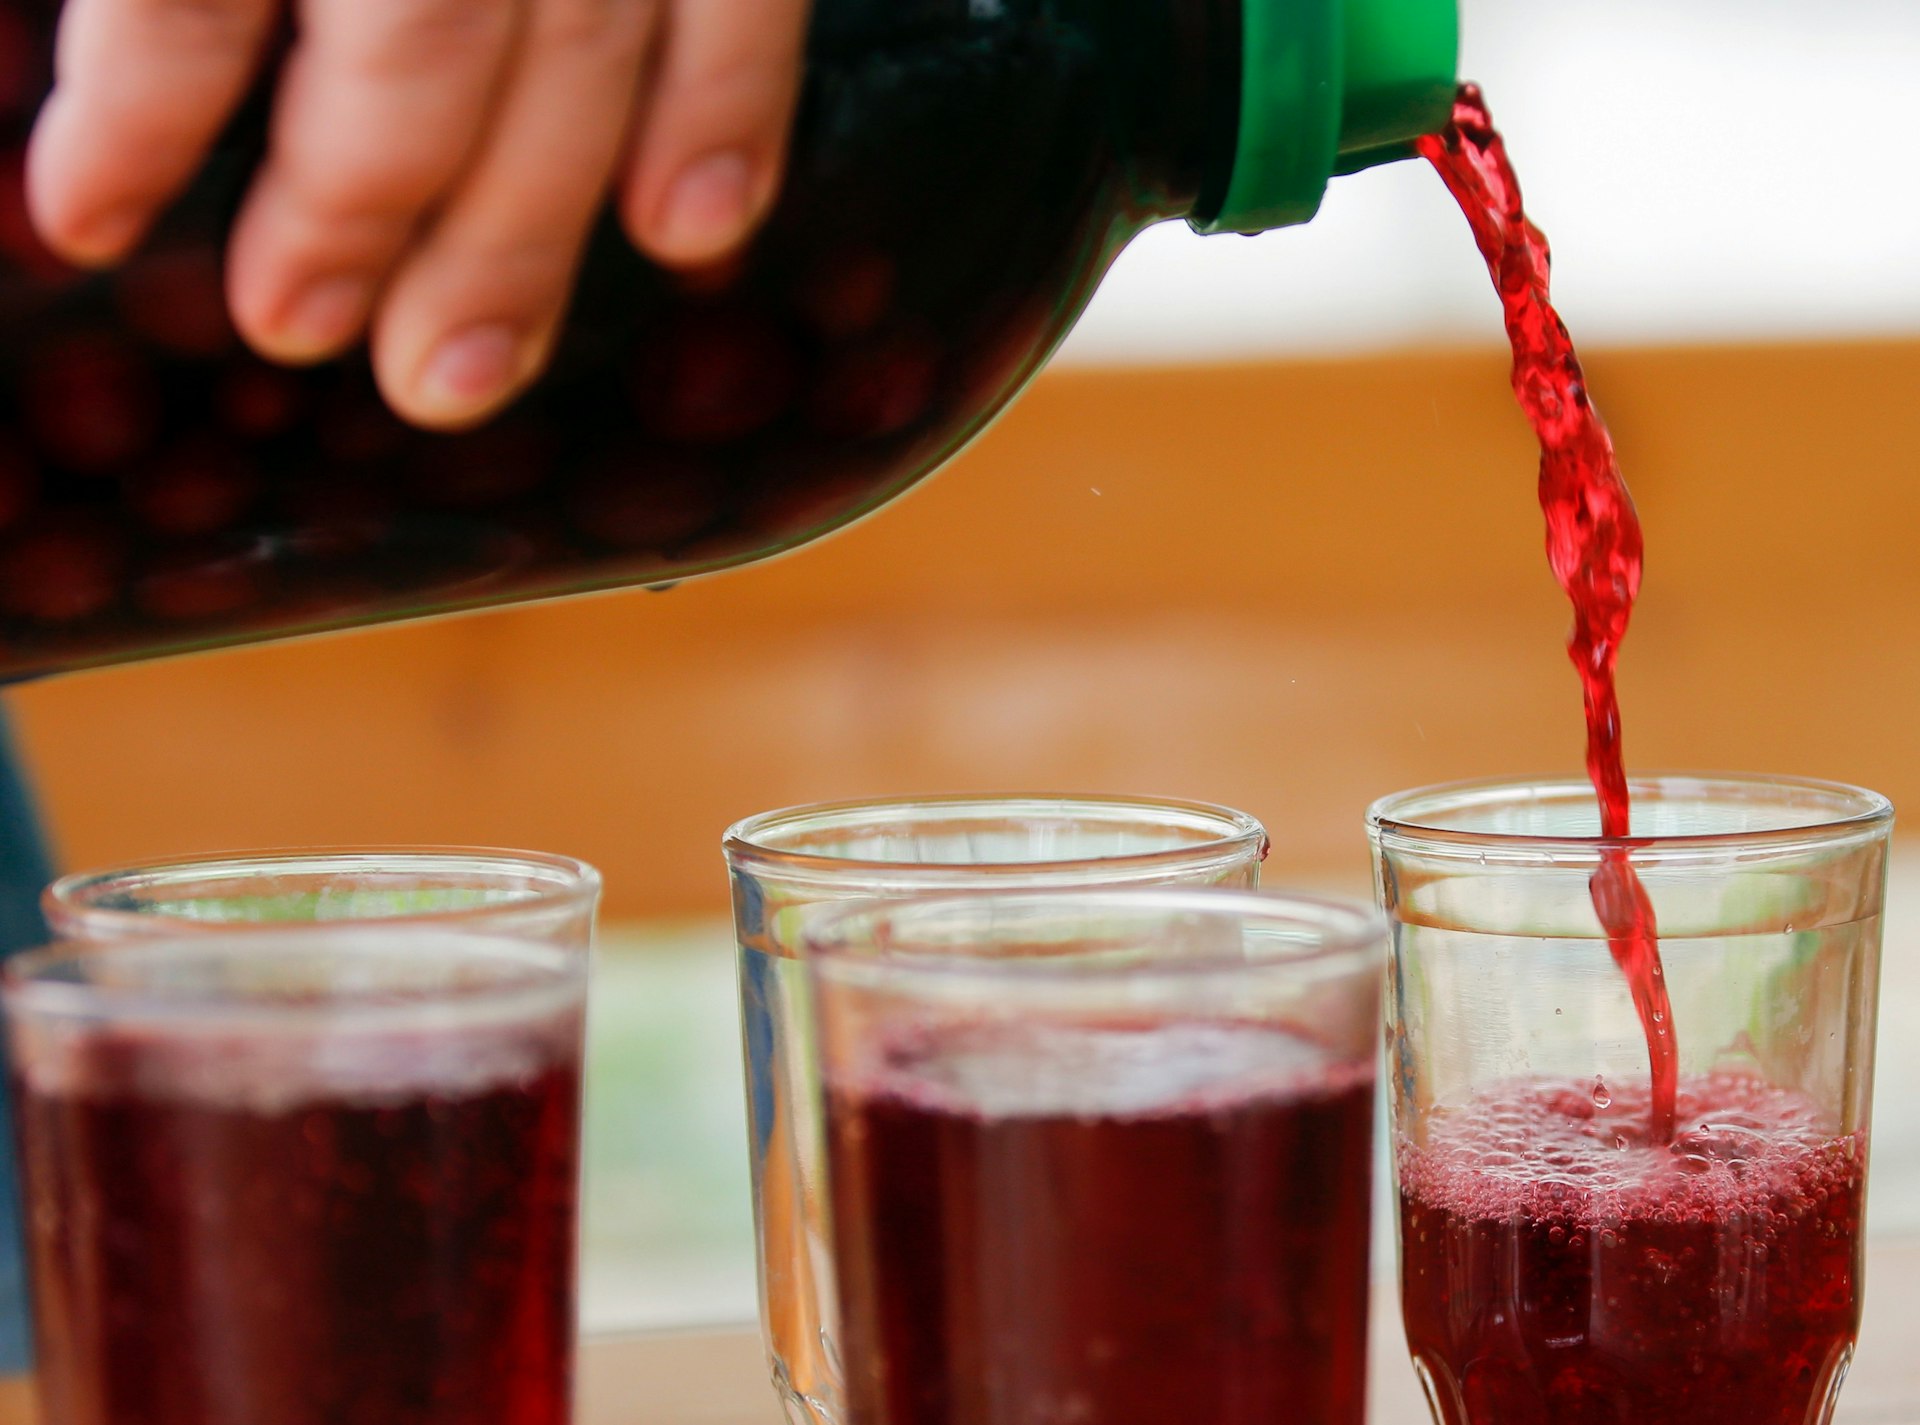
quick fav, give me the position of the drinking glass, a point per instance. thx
(521, 894)
(301, 1174)
(784, 863)
(1561, 1259)
(1100, 1156)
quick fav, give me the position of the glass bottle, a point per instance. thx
(962, 174)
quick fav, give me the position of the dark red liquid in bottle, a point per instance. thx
(959, 177)
(210, 1255)
(1593, 536)
(1056, 1222)
(1560, 1269)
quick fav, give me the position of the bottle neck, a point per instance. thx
(1174, 69)
(1234, 114)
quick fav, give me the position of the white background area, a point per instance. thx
(1705, 169)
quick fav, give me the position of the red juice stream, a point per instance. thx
(219, 1254)
(1593, 537)
(1110, 1223)
(1681, 1253)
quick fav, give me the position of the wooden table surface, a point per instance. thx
(719, 1377)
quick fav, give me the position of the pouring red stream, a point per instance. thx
(1593, 537)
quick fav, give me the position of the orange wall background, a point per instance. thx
(1290, 587)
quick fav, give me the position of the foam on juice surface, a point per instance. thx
(257, 1022)
(266, 1072)
(1100, 1069)
(1579, 1154)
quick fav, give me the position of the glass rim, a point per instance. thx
(1346, 935)
(28, 988)
(562, 881)
(747, 842)
(1396, 818)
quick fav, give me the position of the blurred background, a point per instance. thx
(1264, 535)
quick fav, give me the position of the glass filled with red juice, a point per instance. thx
(306, 1175)
(1100, 1156)
(1566, 1257)
(785, 864)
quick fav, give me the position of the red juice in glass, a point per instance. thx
(1560, 1269)
(329, 1212)
(1128, 1223)
(1569, 1253)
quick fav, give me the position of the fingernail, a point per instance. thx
(707, 208)
(469, 370)
(107, 237)
(326, 316)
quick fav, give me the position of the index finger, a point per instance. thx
(713, 139)
(142, 89)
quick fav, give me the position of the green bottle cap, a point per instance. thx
(1331, 86)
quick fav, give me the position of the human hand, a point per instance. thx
(434, 166)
